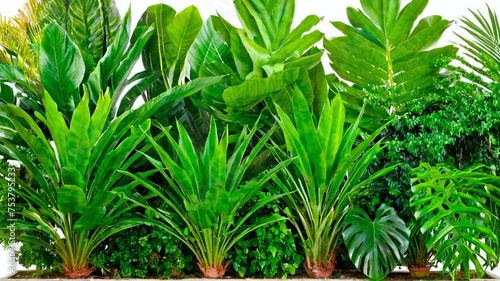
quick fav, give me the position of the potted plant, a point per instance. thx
(419, 258)
(326, 175)
(207, 189)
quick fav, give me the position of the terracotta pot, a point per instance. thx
(419, 272)
(321, 270)
(77, 273)
(213, 272)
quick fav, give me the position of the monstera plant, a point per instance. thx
(454, 207)
(207, 189)
(385, 53)
(375, 246)
(326, 175)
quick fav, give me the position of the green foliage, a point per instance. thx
(270, 250)
(206, 190)
(258, 58)
(375, 246)
(323, 193)
(419, 254)
(42, 258)
(385, 47)
(451, 205)
(457, 123)
(483, 47)
(91, 24)
(140, 252)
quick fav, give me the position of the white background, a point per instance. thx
(331, 10)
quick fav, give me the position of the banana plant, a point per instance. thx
(326, 175)
(483, 47)
(375, 246)
(207, 189)
(259, 58)
(385, 52)
(453, 207)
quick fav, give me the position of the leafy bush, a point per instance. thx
(270, 250)
(457, 123)
(143, 251)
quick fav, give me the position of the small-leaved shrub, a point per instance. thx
(141, 252)
(269, 251)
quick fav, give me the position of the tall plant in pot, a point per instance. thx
(419, 257)
(325, 177)
(207, 189)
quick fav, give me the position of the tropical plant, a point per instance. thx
(483, 47)
(271, 250)
(418, 254)
(92, 24)
(76, 181)
(385, 53)
(261, 59)
(16, 36)
(325, 176)
(375, 246)
(71, 51)
(454, 205)
(207, 190)
(140, 252)
(164, 56)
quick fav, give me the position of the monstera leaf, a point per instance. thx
(375, 246)
(384, 47)
(455, 206)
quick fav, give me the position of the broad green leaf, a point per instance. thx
(78, 147)
(183, 30)
(91, 218)
(243, 97)
(375, 246)
(61, 66)
(71, 199)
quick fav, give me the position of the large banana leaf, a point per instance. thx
(451, 206)
(207, 190)
(385, 47)
(375, 246)
(167, 49)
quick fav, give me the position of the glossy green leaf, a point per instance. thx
(249, 93)
(61, 66)
(71, 199)
(375, 246)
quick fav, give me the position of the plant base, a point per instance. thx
(419, 272)
(213, 272)
(323, 269)
(77, 273)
